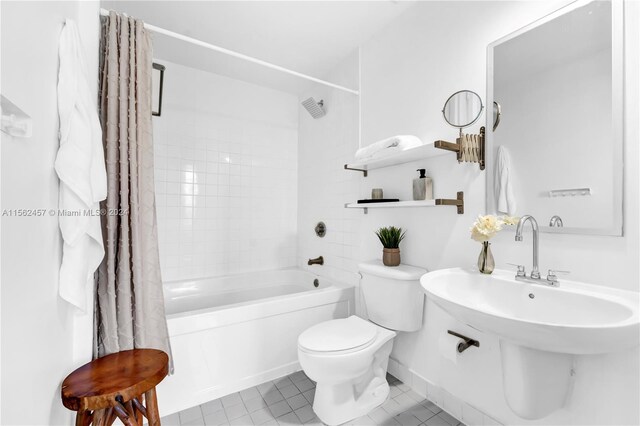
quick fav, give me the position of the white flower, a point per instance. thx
(486, 227)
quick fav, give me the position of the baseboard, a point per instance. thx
(456, 407)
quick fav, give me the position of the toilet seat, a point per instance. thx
(338, 336)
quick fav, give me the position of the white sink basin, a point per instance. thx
(574, 318)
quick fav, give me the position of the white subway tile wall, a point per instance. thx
(226, 176)
(326, 145)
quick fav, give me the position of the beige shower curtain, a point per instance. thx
(129, 298)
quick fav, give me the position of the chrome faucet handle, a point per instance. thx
(521, 272)
(552, 277)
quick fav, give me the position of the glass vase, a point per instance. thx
(486, 264)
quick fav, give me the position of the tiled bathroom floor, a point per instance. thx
(288, 400)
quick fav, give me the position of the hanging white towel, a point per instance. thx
(81, 169)
(505, 198)
(387, 147)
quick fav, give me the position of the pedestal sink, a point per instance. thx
(541, 329)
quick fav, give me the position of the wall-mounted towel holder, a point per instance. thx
(457, 147)
(13, 120)
(571, 192)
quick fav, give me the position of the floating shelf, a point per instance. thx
(395, 204)
(458, 202)
(406, 156)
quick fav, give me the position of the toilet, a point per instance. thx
(348, 357)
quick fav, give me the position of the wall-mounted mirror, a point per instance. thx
(557, 153)
(462, 109)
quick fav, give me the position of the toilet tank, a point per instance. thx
(392, 295)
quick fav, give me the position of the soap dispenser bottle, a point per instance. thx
(422, 187)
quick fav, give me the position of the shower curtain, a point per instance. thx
(129, 298)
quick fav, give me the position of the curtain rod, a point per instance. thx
(105, 12)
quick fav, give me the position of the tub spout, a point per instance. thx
(316, 261)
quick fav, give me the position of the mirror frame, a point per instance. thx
(444, 107)
(617, 108)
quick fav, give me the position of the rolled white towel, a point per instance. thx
(387, 147)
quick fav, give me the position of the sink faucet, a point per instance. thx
(535, 272)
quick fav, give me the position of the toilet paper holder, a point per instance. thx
(466, 341)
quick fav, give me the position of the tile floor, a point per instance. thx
(288, 401)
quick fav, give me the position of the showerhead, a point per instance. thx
(316, 109)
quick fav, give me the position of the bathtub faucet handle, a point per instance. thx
(317, 261)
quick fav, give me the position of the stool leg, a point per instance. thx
(104, 415)
(83, 418)
(139, 406)
(98, 417)
(131, 409)
(152, 407)
(108, 421)
(124, 417)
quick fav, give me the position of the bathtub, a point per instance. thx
(231, 333)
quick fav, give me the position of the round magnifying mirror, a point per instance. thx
(462, 109)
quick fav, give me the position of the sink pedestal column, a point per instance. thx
(536, 383)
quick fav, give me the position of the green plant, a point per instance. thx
(390, 236)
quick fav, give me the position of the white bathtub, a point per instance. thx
(230, 333)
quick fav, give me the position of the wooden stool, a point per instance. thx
(112, 386)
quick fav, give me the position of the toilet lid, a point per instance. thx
(338, 335)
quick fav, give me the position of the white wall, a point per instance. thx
(408, 71)
(226, 175)
(408, 99)
(42, 338)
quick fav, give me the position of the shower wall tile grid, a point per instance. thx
(288, 401)
(226, 194)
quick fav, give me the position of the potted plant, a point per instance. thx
(483, 229)
(390, 238)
